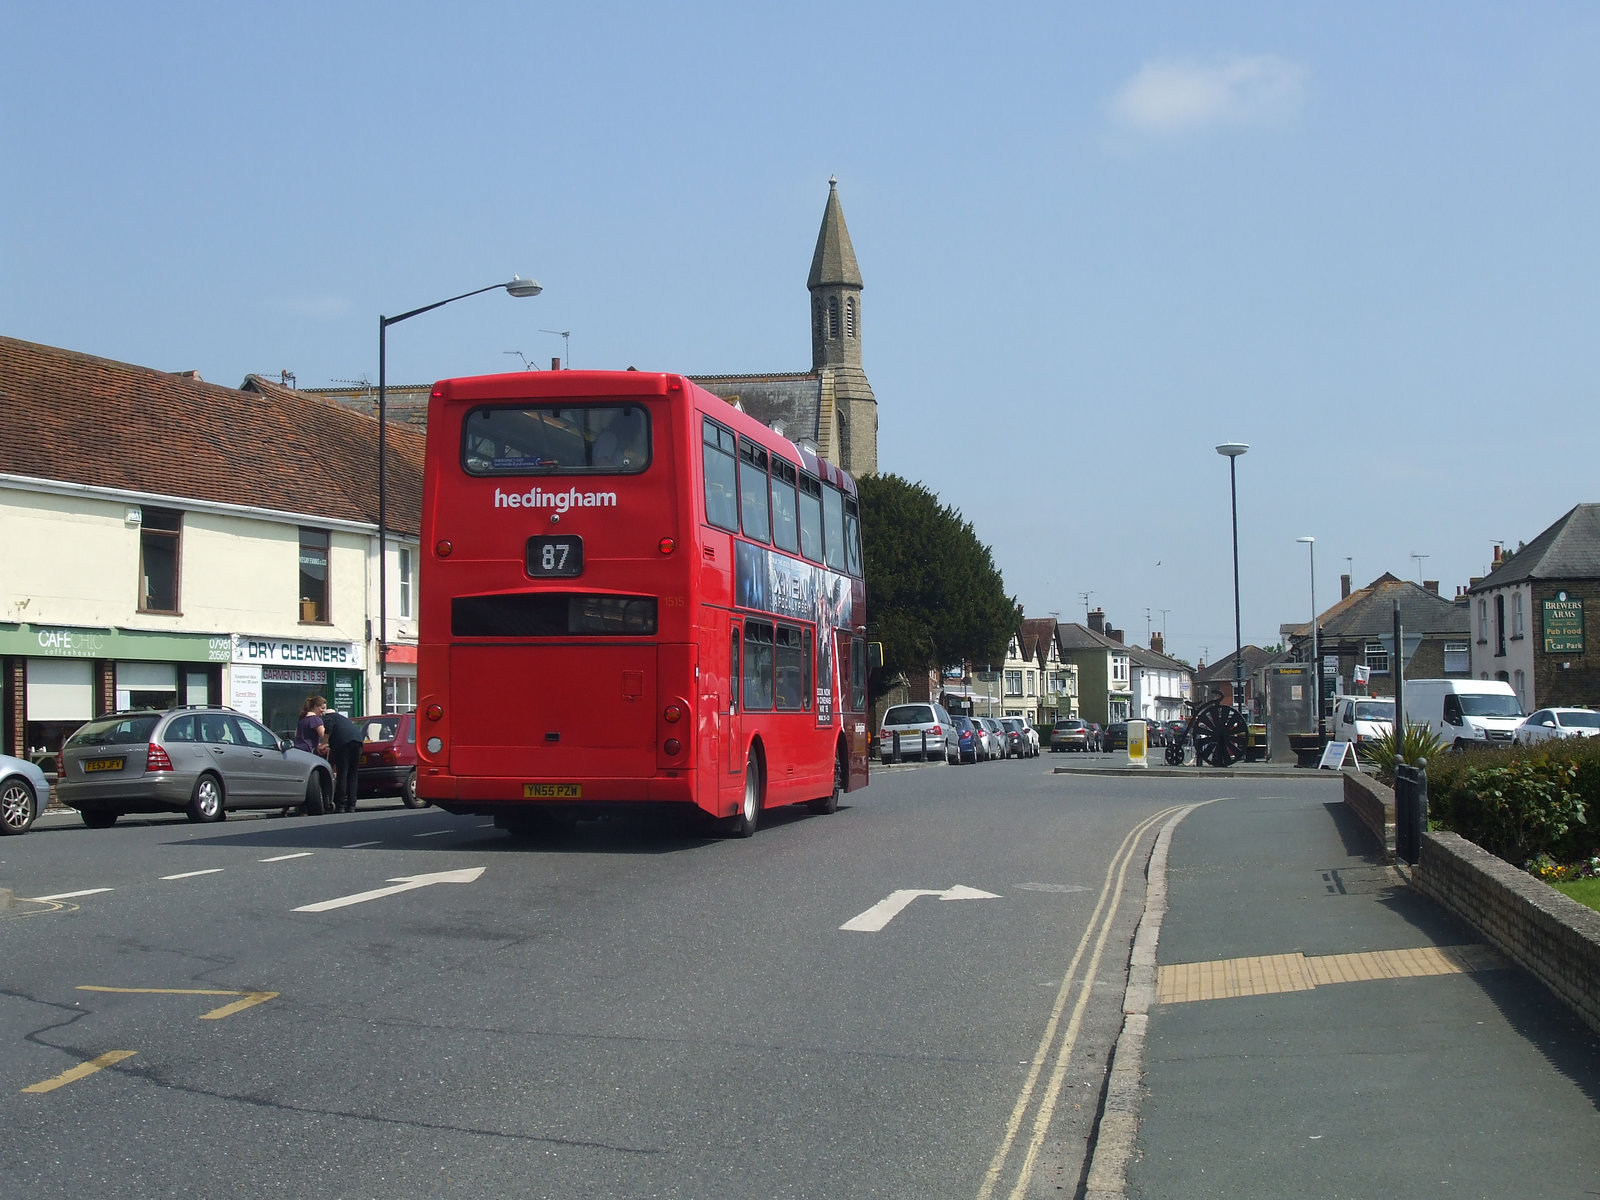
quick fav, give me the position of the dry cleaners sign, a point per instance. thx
(295, 652)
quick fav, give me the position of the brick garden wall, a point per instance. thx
(1554, 938)
(1374, 804)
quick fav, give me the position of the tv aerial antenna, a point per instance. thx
(566, 343)
(526, 364)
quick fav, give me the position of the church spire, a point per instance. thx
(835, 286)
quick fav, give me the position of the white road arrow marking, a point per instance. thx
(885, 910)
(405, 883)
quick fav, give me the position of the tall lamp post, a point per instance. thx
(518, 287)
(1310, 544)
(1231, 451)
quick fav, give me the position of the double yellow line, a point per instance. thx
(1096, 932)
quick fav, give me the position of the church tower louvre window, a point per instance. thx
(850, 317)
(833, 317)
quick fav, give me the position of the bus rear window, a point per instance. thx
(552, 614)
(556, 439)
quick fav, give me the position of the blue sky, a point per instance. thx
(1097, 240)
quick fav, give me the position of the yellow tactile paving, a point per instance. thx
(1277, 973)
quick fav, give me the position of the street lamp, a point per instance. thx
(518, 287)
(1310, 544)
(1231, 451)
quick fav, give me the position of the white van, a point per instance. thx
(1358, 719)
(1464, 712)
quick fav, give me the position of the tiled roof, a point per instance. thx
(1569, 549)
(792, 400)
(75, 418)
(1080, 637)
(1222, 669)
(1421, 611)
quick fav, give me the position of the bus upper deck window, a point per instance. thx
(785, 516)
(754, 503)
(811, 517)
(833, 526)
(556, 439)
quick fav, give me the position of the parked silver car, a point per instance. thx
(925, 731)
(24, 794)
(200, 761)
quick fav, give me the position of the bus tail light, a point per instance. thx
(434, 712)
(666, 545)
(443, 547)
(673, 714)
(672, 746)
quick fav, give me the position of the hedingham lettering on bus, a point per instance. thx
(560, 501)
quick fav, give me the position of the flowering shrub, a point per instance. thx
(1548, 869)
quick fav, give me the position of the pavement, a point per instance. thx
(1301, 1023)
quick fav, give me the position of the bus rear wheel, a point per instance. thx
(830, 803)
(743, 823)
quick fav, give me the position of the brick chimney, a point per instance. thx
(1097, 620)
(555, 364)
(1431, 585)
(1114, 634)
(1344, 587)
(1158, 643)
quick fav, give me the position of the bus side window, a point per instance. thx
(754, 502)
(833, 525)
(808, 682)
(722, 495)
(852, 537)
(757, 666)
(791, 686)
(811, 517)
(785, 520)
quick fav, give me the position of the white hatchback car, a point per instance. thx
(1552, 724)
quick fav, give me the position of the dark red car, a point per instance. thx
(389, 757)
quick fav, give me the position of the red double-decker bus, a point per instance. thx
(633, 593)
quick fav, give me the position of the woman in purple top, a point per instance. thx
(310, 734)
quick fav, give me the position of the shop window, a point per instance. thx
(314, 576)
(146, 685)
(399, 693)
(159, 533)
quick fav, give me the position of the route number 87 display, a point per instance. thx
(555, 557)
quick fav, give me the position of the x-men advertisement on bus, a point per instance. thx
(789, 587)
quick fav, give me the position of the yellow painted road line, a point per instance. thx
(1105, 908)
(249, 999)
(1277, 974)
(94, 987)
(227, 1010)
(108, 1059)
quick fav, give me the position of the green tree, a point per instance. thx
(934, 594)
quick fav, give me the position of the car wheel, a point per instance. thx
(99, 818)
(830, 803)
(409, 795)
(743, 823)
(316, 795)
(206, 802)
(18, 807)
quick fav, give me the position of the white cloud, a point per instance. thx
(318, 308)
(1177, 96)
